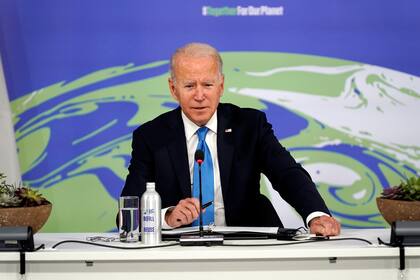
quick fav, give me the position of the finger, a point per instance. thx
(185, 215)
(179, 217)
(337, 227)
(315, 226)
(173, 219)
(317, 229)
(333, 226)
(193, 205)
(193, 210)
(195, 202)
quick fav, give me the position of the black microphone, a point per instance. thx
(202, 239)
(199, 158)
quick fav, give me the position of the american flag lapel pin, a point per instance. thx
(228, 130)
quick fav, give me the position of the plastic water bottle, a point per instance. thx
(151, 233)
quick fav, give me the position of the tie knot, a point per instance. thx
(201, 133)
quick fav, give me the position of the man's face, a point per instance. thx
(197, 87)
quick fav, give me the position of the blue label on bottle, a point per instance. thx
(148, 219)
(149, 229)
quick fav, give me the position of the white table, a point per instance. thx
(325, 260)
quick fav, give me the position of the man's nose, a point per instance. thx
(199, 94)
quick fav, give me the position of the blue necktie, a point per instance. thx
(207, 179)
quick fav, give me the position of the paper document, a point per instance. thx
(221, 229)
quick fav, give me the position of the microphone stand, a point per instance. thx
(201, 231)
(202, 239)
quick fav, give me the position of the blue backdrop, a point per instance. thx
(338, 80)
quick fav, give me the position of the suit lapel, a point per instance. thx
(225, 146)
(178, 152)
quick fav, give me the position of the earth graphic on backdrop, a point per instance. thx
(349, 124)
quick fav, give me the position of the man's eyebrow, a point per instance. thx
(210, 81)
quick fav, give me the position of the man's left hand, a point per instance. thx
(325, 226)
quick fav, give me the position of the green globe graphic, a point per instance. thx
(349, 124)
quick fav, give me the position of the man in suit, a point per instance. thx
(241, 145)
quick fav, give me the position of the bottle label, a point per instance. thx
(149, 218)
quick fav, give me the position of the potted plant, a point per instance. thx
(402, 202)
(22, 206)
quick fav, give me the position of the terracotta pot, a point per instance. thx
(398, 210)
(34, 216)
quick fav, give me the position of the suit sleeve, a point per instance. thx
(287, 177)
(141, 168)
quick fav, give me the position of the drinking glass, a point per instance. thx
(128, 218)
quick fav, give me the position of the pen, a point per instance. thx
(205, 205)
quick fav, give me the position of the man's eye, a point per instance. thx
(208, 85)
(189, 86)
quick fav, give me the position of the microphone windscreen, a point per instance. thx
(199, 155)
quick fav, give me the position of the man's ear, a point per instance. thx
(222, 85)
(172, 89)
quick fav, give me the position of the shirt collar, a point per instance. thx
(191, 128)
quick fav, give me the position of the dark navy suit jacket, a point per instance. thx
(246, 148)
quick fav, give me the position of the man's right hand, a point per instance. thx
(184, 213)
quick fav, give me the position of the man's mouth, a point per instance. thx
(199, 108)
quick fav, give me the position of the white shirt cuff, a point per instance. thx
(163, 213)
(315, 215)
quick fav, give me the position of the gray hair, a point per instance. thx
(195, 50)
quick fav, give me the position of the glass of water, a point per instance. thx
(128, 218)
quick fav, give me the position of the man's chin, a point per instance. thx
(200, 119)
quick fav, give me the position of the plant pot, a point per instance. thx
(398, 210)
(34, 216)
